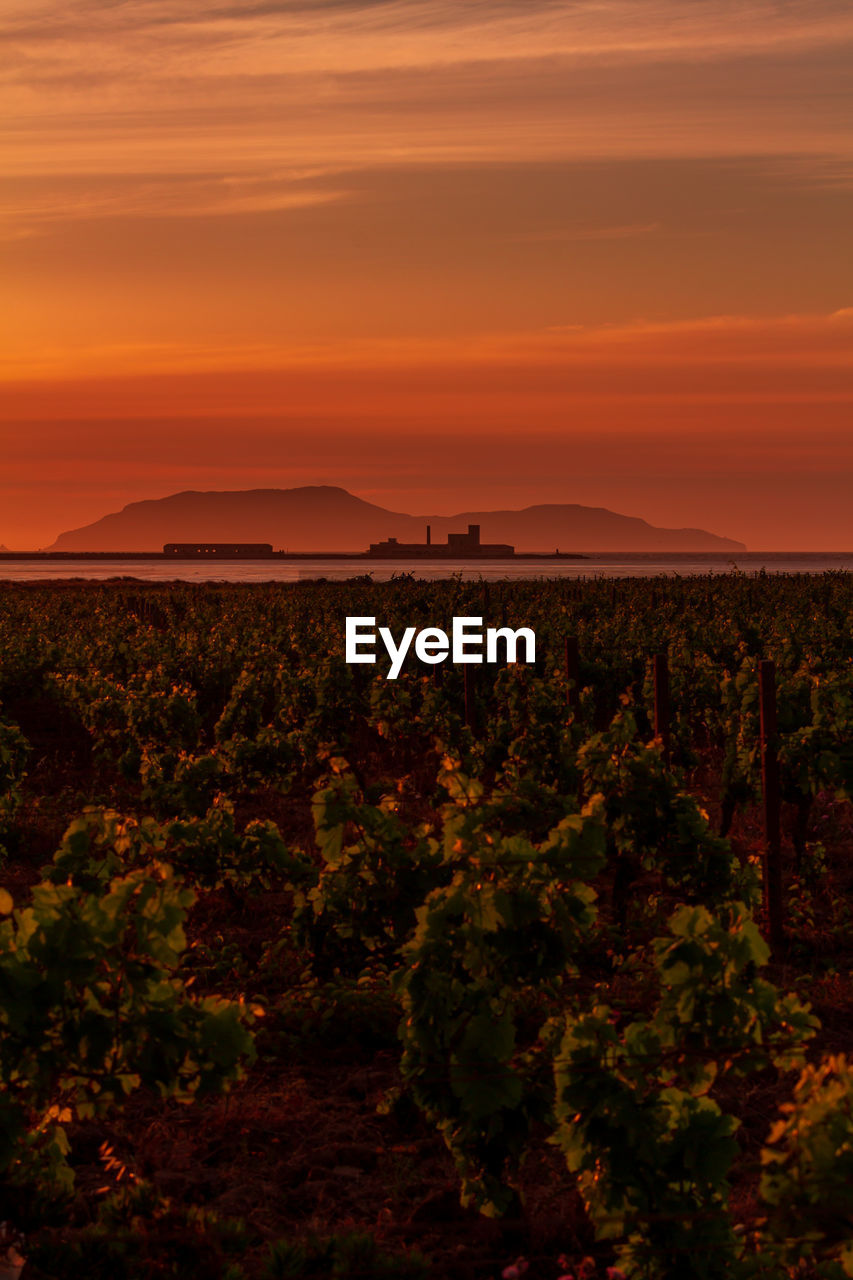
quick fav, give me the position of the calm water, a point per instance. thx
(604, 564)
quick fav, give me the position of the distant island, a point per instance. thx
(325, 518)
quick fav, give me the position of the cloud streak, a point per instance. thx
(104, 88)
(44, 206)
(712, 359)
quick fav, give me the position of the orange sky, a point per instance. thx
(447, 253)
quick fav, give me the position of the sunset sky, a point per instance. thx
(446, 253)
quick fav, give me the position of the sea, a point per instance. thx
(610, 564)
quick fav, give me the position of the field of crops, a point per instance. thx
(309, 973)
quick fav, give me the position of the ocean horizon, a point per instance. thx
(607, 564)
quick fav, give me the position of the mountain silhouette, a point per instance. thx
(328, 518)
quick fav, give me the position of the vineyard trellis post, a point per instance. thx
(772, 801)
(470, 698)
(573, 672)
(662, 709)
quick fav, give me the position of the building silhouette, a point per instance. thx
(462, 546)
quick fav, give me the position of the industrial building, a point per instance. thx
(463, 546)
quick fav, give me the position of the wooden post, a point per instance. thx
(772, 803)
(470, 706)
(573, 672)
(662, 711)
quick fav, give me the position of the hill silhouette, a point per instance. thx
(328, 518)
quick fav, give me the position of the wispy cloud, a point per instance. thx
(353, 33)
(38, 207)
(110, 87)
(720, 356)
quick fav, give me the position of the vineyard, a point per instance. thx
(531, 970)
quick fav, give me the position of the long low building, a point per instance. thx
(462, 545)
